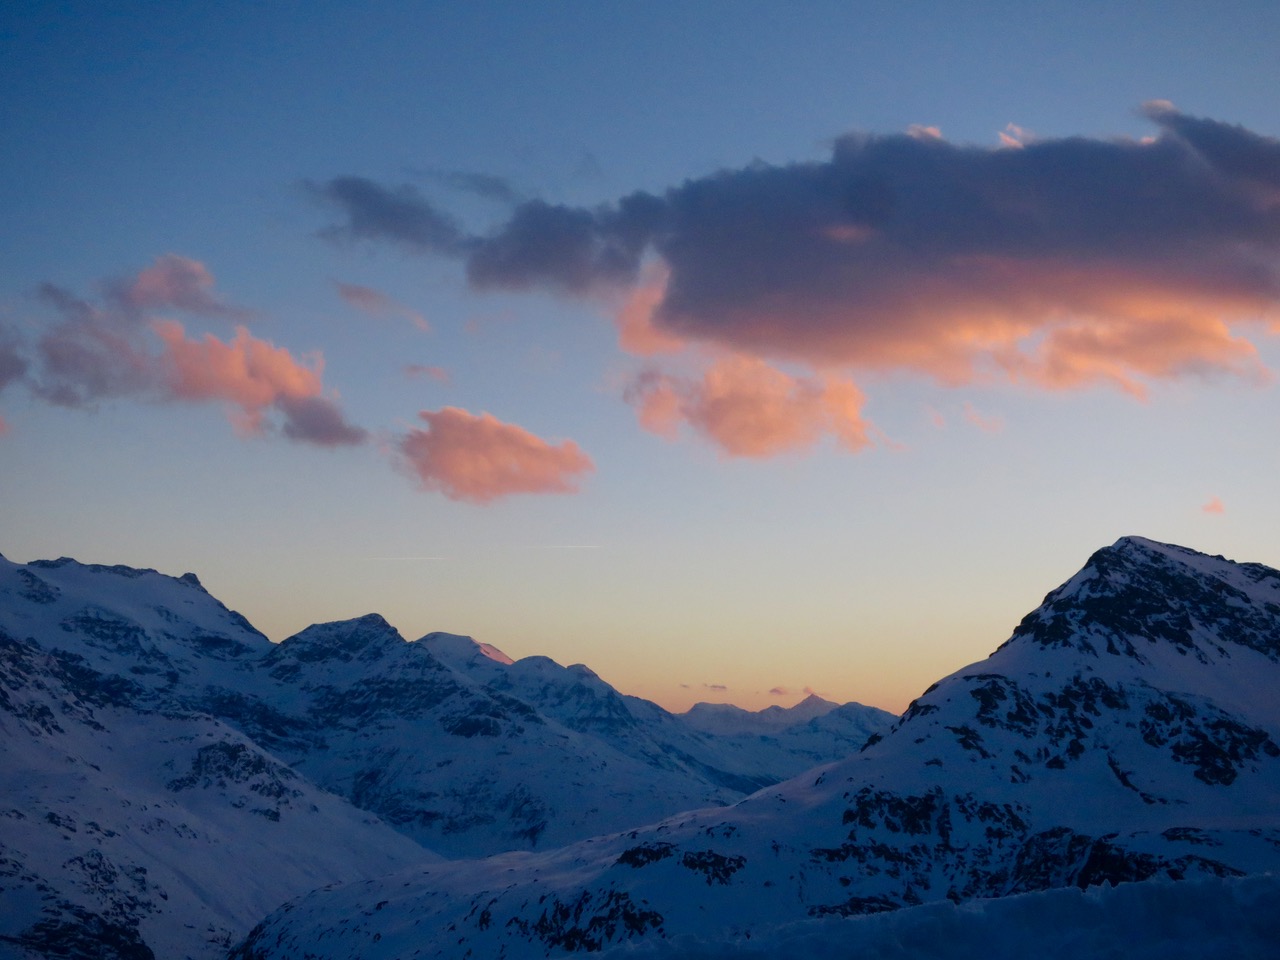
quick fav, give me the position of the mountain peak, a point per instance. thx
(366, 637)
(814, 700)
(1139, 594)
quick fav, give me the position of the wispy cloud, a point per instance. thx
(480, 459)
(985, 423)
(485, 185)
(172, 282)
(376, 303)
(429, 372)
(404, 558)
(400, 215)
(1214, 506)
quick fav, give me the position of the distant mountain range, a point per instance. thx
(171, 775)
(1127, 731)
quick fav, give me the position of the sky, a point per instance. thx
(738, 350)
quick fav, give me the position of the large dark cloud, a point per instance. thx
(1055, 261)
(565, 248)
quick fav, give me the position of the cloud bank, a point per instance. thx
(1051, 263)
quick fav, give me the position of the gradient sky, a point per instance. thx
(732, 349)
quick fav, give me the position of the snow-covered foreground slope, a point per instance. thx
(129, 826)
(1236, 918)
(1127, 731)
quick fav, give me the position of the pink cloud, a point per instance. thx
(1155, 339)
(921, 132)
(984, 423)
(374, 302)
(4, 427)
(1214, 506)
(254, 376)
(173, 282)
(1054, 324)
(481, 459)
(1015, 136)
(249, 372)
(97, 352)
(637, 333)
(438, 374)
(750, 409)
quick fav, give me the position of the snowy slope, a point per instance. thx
(130, 826)
(1236, 918)
(1127, 731)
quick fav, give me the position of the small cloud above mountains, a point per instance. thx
(479, 459)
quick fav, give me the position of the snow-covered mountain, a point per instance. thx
(1128, 730)
(464, 768)
(130, 825)
(170, 775)
(746, 751)
(791, 739)
(727, 718)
